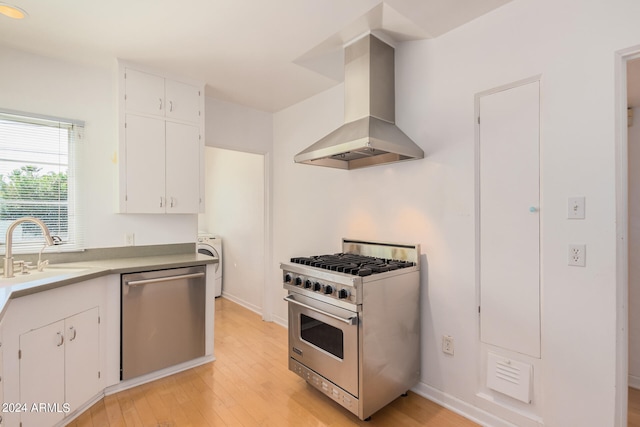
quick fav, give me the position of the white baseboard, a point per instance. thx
(75, 414)
(243, 303)
(143, 379)
(280, 321)
(460, 407)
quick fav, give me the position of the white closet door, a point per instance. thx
(509, 219)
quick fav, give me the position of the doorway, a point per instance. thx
(627, 72)
(633, 237)
(235, 199)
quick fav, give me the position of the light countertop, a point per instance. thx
(63, 274)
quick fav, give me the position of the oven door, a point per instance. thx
(324, 338)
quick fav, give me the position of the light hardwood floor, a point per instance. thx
(633, 408)
(249, 384)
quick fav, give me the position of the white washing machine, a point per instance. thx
(209, 244)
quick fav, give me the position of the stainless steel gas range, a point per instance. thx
(354, 322)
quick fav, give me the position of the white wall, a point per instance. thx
(235, 212)
(238, 196)
(431, 201)
(236, 127)
(51, 87)
(634, 249)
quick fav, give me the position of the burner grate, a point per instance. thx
(357, 265)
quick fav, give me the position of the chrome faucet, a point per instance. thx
(8, 257)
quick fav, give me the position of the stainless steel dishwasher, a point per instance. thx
(163, 316)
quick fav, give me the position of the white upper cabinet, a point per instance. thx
(183, 154)
(144, 164)
(147, 93)
(182, 101)
(161, 143)
(144, 92)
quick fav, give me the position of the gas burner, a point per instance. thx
(355, 264)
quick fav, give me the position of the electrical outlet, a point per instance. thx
(129, 239)
(447, 344)
(578, 255)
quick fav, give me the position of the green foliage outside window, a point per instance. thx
(28, 192)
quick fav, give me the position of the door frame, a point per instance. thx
(266, 311)
(477, 100)
(478, 96)
(622, 230)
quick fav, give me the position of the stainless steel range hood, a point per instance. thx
(370, 136)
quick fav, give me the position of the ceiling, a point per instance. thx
(263, 54)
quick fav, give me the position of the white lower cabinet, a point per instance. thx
(2, 423)
(42, 374)
(59, 368)
(82, 357)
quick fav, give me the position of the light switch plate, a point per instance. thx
(575, 208)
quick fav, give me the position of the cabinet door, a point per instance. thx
(509, 219)
(145, 168)
(1, 378)
(144, 92)
(42, 374)
(82, 357)
(183, 171)
(183, 101)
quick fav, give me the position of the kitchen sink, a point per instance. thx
(51, 273)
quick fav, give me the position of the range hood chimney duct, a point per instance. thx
(369, 136)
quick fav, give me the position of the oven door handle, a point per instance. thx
(349, 321)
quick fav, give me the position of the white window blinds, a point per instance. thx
(37, 179)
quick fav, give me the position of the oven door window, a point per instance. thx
(321, 335)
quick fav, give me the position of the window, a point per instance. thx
(37, 173)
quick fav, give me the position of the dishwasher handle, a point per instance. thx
(135, 283)
(349, 321)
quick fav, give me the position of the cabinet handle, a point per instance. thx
(73, 333)
(172, 202)
(161, 201)
(160, 103)
(60, 339)
(171, 106)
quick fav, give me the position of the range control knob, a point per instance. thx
(298, 281)
(328, 290)
(316, 286)
(307, 283)
(287, 278)
(343, 293)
